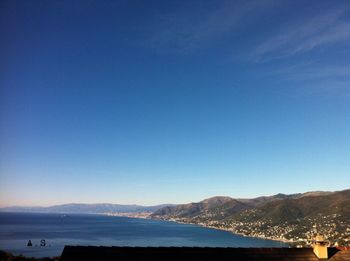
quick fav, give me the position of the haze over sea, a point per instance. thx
(61, 229)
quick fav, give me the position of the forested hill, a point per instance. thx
(286, 217)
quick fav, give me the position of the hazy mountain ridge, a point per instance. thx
(87, 208)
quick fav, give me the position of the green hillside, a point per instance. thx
(294, 218)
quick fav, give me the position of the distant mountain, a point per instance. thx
(87, 208)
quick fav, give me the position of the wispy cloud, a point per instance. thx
(197, 28)
(319, 78)
(305, 35)
(313, 71)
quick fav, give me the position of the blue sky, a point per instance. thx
(153, 102)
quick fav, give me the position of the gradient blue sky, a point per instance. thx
(153, 102)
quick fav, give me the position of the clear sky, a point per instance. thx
(153, 102)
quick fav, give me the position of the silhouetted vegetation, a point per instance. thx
(5, 256)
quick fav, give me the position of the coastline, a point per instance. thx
(147, 215)
(288, 242)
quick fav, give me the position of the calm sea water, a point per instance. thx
(59, 230)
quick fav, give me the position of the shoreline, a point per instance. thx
(147, 215)
(285, 241)
(143, 216)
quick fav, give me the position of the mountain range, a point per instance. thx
(220, 207)
(277, 205)
(87, 208)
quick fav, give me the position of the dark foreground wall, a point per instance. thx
(71, 253)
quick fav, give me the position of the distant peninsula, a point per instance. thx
(75, 208)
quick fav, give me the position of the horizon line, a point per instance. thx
(152, 205)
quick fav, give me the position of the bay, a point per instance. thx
(59, 230)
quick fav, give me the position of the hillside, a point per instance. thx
(217, 207)
(293, 218)
(310, 205)
(212, 206)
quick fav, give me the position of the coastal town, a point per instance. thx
(299, 234)
(129, 214)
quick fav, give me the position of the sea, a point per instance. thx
(49, 233)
